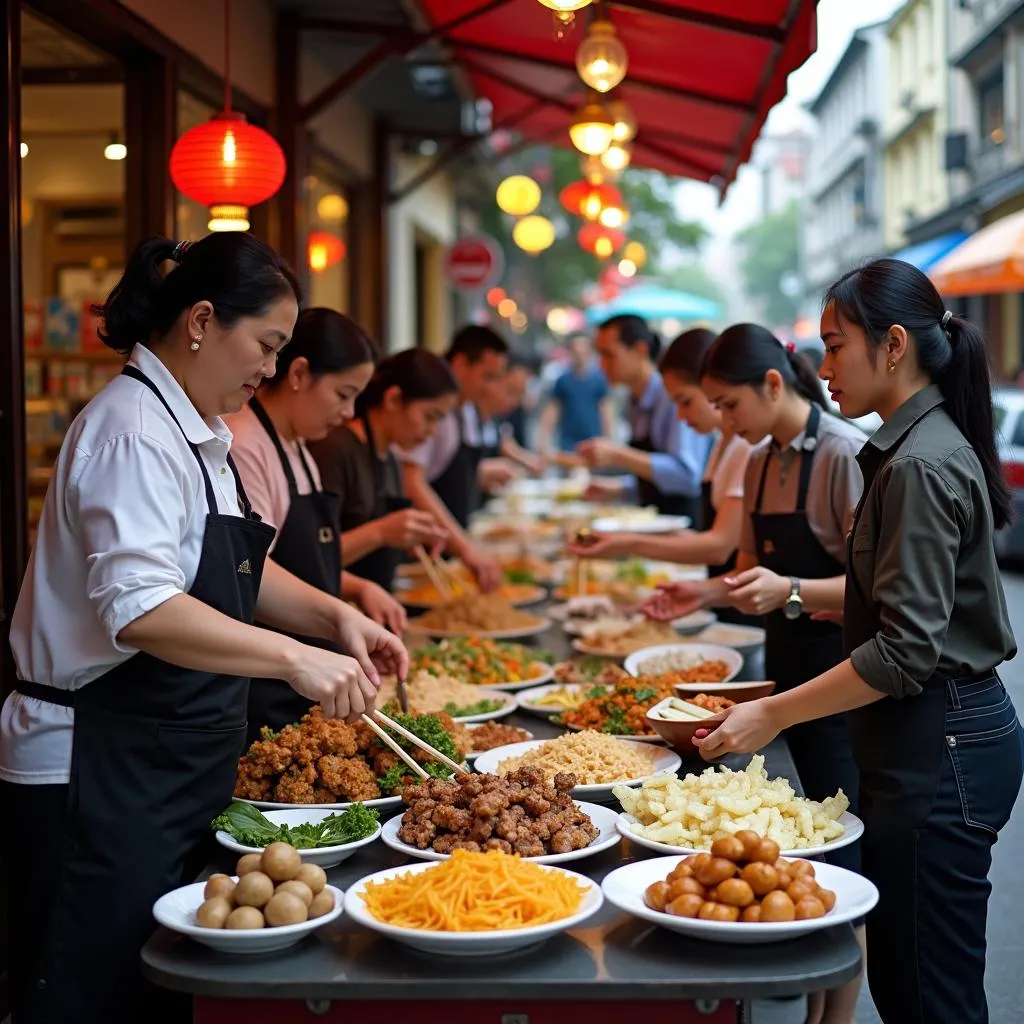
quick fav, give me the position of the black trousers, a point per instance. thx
(35, 818)
(926, 937)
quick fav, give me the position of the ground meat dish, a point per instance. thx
(489, 735)
(517, 813)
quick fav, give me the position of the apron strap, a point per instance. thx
(267, 424)
(806, 460)
(211, 497)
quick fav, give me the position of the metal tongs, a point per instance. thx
(417, 768)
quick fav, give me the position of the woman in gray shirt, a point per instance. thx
(934, 732)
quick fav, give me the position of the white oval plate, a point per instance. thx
(325, 856)
(476, 753)
(702, 652)
(467, 943)
(581, 646)
(695, 622)
(543, 623)
(176, 910)
(603, 817)
(745, 639)
(666, 762)
(381, 802)
(651, 524)
(490, 693)
(625, 888)
(527, 699)
(854, 830)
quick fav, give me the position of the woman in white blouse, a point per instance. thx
(714, 544)
(133, 636)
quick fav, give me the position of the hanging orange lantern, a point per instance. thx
(587, 200)
(324, 250)
(227, 164)
(600, 241)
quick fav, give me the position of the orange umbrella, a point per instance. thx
(991, 261)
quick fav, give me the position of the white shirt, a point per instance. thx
(121, 532)
(726, 468)
(261, 471)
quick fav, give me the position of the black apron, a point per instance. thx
(648, 493)
(378, 566)
(797, 650)
(457, 486)
(307, 546)
(154, 757)
(707, 521)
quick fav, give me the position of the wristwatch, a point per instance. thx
(794, 603)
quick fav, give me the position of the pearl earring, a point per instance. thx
(195, 343)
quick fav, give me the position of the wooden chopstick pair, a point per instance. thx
(439, 574)
(414, 740)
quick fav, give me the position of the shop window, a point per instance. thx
(190, 217)
(72, 235)
(327, 239)
(991, 111)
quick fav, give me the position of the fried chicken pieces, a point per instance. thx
(318, 761)
(516, 813)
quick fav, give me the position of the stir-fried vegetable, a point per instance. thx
(483, 662)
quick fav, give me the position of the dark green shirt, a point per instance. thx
(923, 555)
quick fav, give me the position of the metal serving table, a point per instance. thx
(345, 973)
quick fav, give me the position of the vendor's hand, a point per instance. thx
(336, 682)
(602, 490)
(494, 474)
(758, 591)
(484, 568)
(602, 545)
(377, 651)
(742, 729)
(673, 601)
(533, 463)
(600, 452)
(377, 604)
(410, 527)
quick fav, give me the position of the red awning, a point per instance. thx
(702, 76)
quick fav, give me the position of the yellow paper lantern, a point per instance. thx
(533, 234)
(518, 195)
(591, 128)
(564, 6)
(635, 253)
(332, 207)
(601, 59)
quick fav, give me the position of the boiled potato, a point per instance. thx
(280, 862)
(297, 888)
(250, 862)
(284, 908)
(253, 890)
(323, 903)
(244, 919)
(314, 876)
(213, 913)
(219, 885)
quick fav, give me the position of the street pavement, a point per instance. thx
(1004, 979)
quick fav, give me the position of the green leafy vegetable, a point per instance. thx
(481, 707)
(399, 776)
(594, 692)
(519, 576)
(647, 693)
(616, 724)
(248, 826)
(632, 571)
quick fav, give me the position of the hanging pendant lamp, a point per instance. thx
(227, 164)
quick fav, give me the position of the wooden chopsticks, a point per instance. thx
(433, 571)
(417, 768)
(417, 742)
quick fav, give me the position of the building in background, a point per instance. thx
(782, 161)
(916, 185)
(844, 210)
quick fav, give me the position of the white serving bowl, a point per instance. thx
(625, 888)
(687, 653)
(325, 856)
(604, 818)
(177, 911)
(467, 943)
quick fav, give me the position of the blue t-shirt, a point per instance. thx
(579, 397)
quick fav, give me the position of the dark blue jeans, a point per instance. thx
(928, 848)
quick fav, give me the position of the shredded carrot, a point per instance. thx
(474, 892)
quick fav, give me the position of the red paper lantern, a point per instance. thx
(601, 241)
(229, 166)
(324, 250)
(587, 200)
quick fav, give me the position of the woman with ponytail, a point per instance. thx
(133, 632)
(925, 628)
(798, 498)
(408, 397)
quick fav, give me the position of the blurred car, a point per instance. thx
(1008, 406)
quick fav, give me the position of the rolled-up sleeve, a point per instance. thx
(130, 504)
(919, 531)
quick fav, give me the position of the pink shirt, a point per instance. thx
(260, 467)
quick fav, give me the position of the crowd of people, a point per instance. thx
(234, 506)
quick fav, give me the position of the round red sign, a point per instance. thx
(472, 263)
